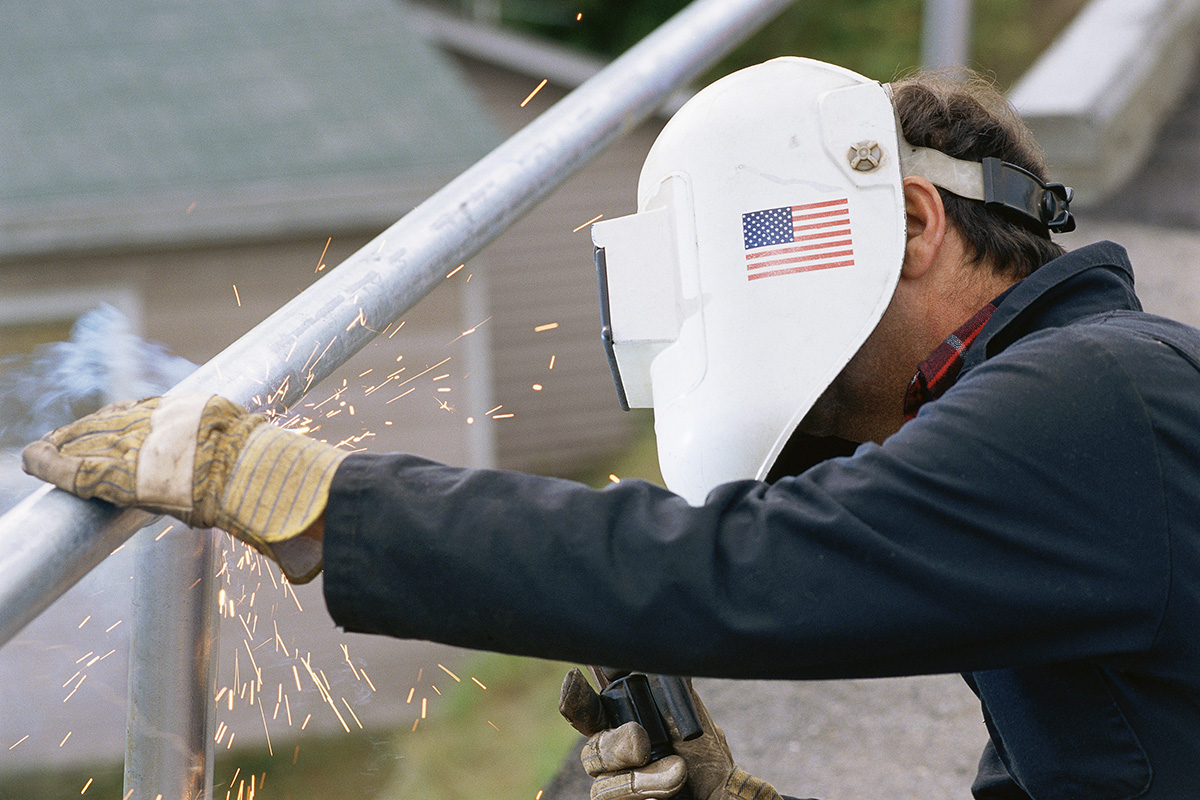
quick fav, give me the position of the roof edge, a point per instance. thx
(520, 53)
(1098, 96)
(187, 218)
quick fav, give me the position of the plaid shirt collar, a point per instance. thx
(938, 373)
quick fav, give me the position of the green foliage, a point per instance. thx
(354, 765)
(878, 38)
(503, 744)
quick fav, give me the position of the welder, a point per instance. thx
(903, 432)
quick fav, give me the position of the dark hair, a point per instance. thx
(968, 118)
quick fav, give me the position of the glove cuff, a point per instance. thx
(744, 786)
(277, 489)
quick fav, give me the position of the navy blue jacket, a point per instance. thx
(1036, 528)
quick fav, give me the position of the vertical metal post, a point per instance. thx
(946, 34)
(172, 665)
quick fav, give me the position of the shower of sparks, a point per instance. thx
(534, 92)
(321, 260)
(250, 591)
(589, 222)
(549, 326)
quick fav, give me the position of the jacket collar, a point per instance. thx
(1092, 279)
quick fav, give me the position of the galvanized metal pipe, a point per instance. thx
(172, 665)
(946, 34)
(48, 542)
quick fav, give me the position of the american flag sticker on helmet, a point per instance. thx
(791, 239)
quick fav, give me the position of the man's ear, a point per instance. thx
(926, 222)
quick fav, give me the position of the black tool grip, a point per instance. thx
(630, 699)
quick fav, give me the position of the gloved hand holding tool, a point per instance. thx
(203, 460)
(628, 764)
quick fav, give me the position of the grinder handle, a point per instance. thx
(630, 699)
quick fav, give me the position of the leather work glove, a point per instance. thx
(201, 459)
(617, 757)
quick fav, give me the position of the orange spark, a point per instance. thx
(321, 260)
(547, 327)
(481, 686)
(589, 222)
(270, 750)
(237, 296)
(535, 91)
(402, 394)
(454, 271)
(351, 710)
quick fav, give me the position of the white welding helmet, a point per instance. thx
(768, 241)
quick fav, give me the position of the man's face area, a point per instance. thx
(939, 289)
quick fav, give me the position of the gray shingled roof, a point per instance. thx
(120, 115)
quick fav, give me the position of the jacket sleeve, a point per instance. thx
(1019, 519)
